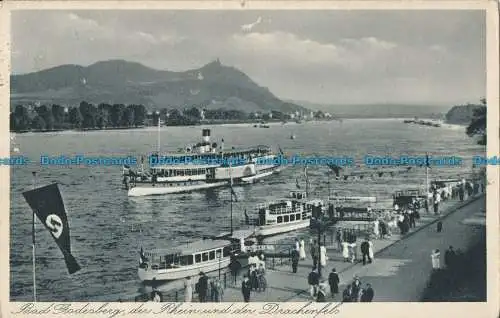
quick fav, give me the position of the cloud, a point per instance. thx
(348, 53)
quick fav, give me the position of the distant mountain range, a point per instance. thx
(213, 86)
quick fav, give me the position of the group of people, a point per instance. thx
(355, 293)
(450, 257)
(255, 279)
(205, 287)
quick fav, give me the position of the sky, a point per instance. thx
(328, 57)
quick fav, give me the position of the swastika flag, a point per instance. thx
(48, 206)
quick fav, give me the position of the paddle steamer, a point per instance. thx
(202, 166)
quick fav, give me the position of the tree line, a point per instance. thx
(107, 116)
(85, 116)
(477, 126)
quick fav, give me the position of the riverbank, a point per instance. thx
(400, 272)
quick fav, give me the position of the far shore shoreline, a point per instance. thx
(224, 123)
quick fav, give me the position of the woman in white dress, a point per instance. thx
(370, 250)
(188, 290)
(323, 258)
(345, 251)
(376, 229)
(435, 259)
(353, 252)
(302, 250)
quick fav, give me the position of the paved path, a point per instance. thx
(402, 265)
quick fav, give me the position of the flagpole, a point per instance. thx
(33, 243)
(427, 176)
(159, 126)
(231, 180)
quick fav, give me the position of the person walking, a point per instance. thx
(368, 294)
(261, 278)
(347, 294)
(219, 291)
(439, 226)
(461, 191)
(345, 251)
(323, 257)
(295, 261)
(321, 298)
(315, 253)
(246, 288)
(313, 280)
(333, 281)
(202, 287)
(356, 289)
(188, 290)
(338, 239)
(435, 258)
(437, 200)
(370, 251)
(449, 257)
(213, 290)
(364, 251)
(302, 250)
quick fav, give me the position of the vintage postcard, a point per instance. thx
(246, 158)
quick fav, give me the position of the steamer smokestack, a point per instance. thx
(206, 135)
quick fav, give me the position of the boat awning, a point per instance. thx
(238, 234)
(183, 167)
(190, 248)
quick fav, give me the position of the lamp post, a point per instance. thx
(319, 225)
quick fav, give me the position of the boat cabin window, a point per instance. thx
(286, 219)
(197, 258)
(211, 255)
(186, 260)
(280, 219)
(292, 217)
(204, 257)
(226, 251)
(297, 216)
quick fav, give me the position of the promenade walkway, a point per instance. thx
(401, 268)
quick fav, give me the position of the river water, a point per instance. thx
(103, 219)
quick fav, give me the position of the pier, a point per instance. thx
(401, 267)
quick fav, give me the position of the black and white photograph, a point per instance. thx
(249, 155)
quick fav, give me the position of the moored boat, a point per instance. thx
(189, 260)
(285, 215)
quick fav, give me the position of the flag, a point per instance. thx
(281, 150)
(48, 206)
(297, 183)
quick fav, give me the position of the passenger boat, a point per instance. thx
(285, 215)
(189, 260)
(202, 166)
(206, 255)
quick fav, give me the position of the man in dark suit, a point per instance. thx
(333, 281)
(313, 280)
(246, 288)
(295, 261)
(368, 294)
(449, 257)
(202, 287)
(365, 250)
